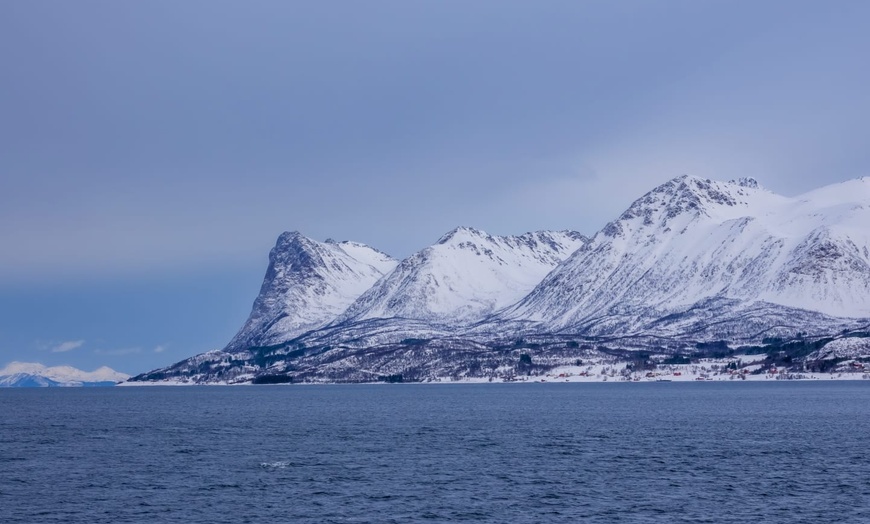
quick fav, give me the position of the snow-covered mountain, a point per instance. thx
(24, 374)
(691, 246)
(307, 284)
(465, 276)
(693, 268)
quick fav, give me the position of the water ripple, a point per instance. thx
(775, 453)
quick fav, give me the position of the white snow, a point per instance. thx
(466, 275)
(367, 255)
(842, 348)
(693, 239)
(708, 370)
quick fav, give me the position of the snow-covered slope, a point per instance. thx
(848, 348)
(307, 284)
(465, 276)
(693, 241)
(24, 374)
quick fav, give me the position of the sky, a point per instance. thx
(152, 152)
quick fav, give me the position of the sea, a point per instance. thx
(772, 452)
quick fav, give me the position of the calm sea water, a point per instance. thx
(628, 453)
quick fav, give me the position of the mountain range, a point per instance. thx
(26, 374)
(692, 244)
(690, 263)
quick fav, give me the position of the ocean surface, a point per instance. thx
(627, 453)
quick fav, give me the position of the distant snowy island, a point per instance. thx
(697, 280)
(24, 374)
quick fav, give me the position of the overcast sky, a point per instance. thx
(151, 152)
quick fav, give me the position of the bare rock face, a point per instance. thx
(307, 284)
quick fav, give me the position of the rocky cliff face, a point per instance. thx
(308, 284)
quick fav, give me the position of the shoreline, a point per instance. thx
(548, 379)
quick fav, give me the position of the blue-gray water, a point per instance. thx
(750, 452)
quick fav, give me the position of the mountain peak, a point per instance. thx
(695, 189)
(461, 233)
(465, 276)
(289, 236)
(746, 182)
(308, 283)
(691, 197)
(293, 249)
(289, 239)
(691, 240)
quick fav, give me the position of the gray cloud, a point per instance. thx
(391, 122)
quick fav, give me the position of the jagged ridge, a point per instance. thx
(465, 276)
(692, 240)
